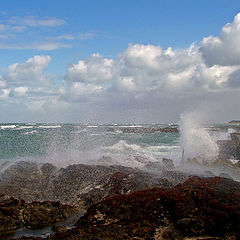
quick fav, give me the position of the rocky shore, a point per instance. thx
(199, 208)
(15, 214)
(118, 202)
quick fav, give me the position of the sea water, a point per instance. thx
(65, 144)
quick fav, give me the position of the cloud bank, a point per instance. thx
(144, 83)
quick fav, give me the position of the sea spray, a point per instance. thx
(195, 140)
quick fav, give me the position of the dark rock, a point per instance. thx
(200, 208)
(155, 166)
(168, 163)
(149, 130)
(208, 173)
(15, 214)
(230, 148)
(80, 185)
(225, 175)
(59, 228)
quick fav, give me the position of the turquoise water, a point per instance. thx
(33, 141)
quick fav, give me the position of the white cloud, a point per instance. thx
(126, 84)
(2, 83)
(4, 93)
(19, 92)
(143, 82)
(78, 36)
(225, 49)
(30, 72)
(45, 46)
(94, 69)
(33, 21)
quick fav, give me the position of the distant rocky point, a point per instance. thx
(235, 122)
(147, 129)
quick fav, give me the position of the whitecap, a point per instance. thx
(32, 132)
(8, 126)
(123, 146)
(50, 126)
(24, 127)
(131, 126)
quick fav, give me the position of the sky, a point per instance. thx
(128, 61)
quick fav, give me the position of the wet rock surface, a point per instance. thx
(199, 208)
(15, 214)
(80, 185)
(230, 148)
(121, 202)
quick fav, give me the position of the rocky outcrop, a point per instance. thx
(149, 130)
(15, 214)
(230, 148)
(79, 185)
(199, 208)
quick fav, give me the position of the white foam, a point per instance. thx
(131, 126)
(8, 126)
(24, 127)
(195, 140)
(32, 132)
(162, 148)
(50, 126)
(122, 147)
(234, 161)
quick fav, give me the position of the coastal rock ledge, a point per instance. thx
(199, 208)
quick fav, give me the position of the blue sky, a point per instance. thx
(66, 34)
(115, 24)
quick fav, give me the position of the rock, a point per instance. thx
(15, 214)
(230, 148)
(225, 175)
(208, 173)
(79, 185)
(199, 208)
(168, 163)
(59, 228)
(154, 166)
(149, 130)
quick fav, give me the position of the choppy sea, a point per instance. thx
(65, 144)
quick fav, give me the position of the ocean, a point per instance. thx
(65, 144)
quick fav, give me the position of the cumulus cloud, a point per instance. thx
(143, 83)
(234, 79)
(19, 92)
(27, 81)
(4, 94)
(94, 69)
(225, 49)
(30, 72)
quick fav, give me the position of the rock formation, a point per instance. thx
(199, 208)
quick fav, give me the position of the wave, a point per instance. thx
(24, 127)
(49, 126)
(8, 126)
(123, 146)
(130, 126)
(162, 148)
(32, 132)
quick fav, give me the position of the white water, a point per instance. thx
(195, 139)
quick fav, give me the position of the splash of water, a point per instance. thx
(195, 139)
